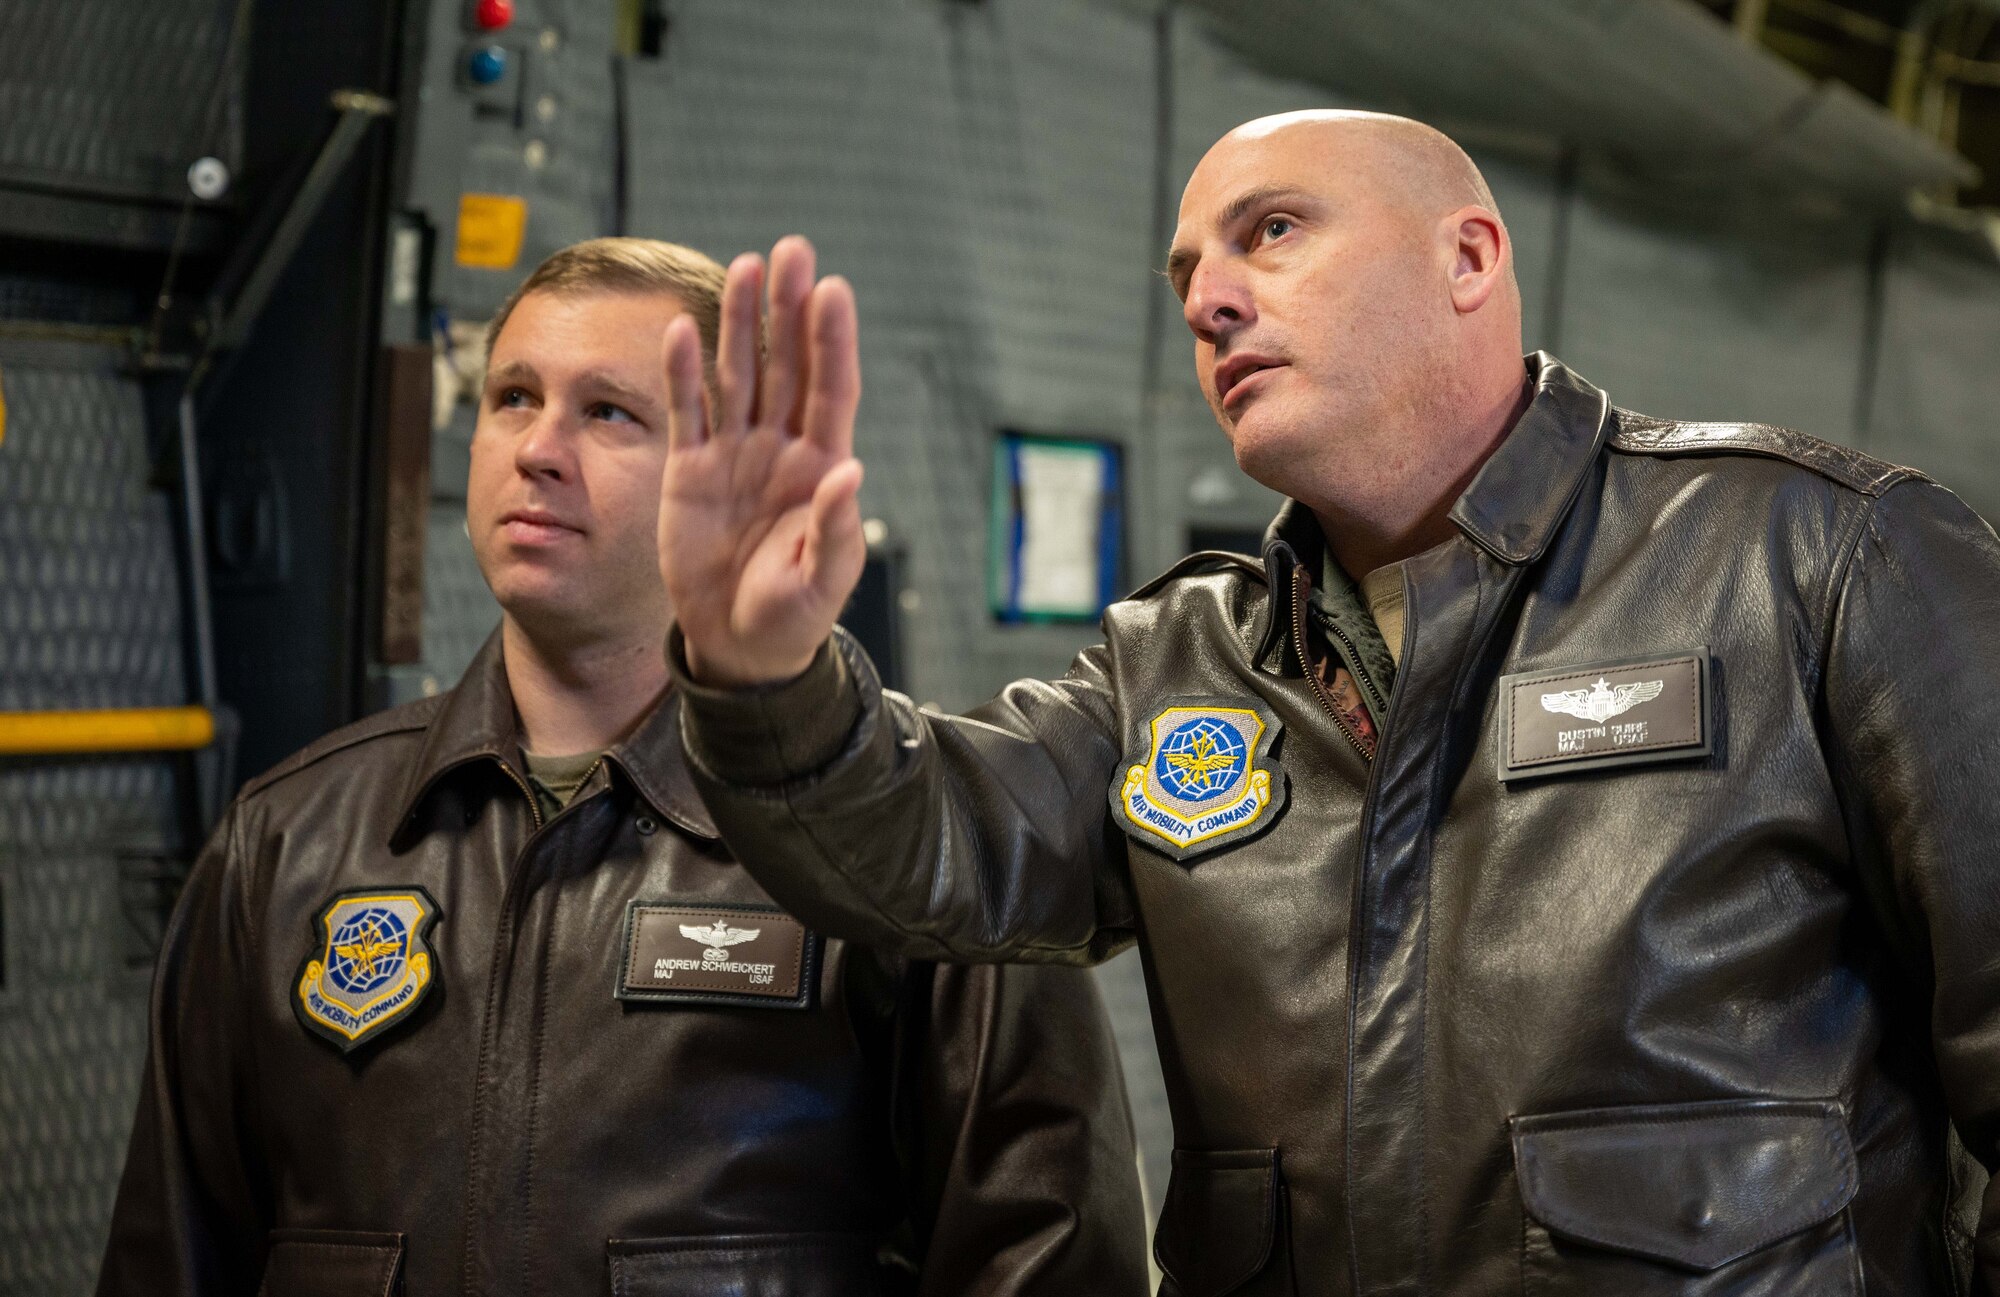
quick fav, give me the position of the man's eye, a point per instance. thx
(610, 413)
(1276, 227)
(511, 398)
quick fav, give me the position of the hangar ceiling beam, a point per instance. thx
(1659, 85)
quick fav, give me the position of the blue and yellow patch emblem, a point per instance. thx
(1206, 778)
(371, 965)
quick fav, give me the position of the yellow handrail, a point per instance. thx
(120, 729)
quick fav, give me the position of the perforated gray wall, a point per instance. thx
(109, 98)
(1936, 400)
(89, 617)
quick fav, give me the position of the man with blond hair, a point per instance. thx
(468, 998)
(1565, 863)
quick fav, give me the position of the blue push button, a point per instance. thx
(487, 65)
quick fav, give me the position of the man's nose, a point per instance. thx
(544, 449)
(1218, 303)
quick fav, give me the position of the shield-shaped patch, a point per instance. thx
(1203, 778)
(371, 964)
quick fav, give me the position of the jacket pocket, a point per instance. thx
(332, 1263)
(1224, 1224)
(745, 1265)
(1742, 1196)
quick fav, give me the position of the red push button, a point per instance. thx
(493, 14)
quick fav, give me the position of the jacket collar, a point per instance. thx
(1526, 488)
(1523, 491)
(1512, 509)
(476, 724)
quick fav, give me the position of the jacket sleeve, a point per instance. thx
(1018, 1144)
(1912, 689)
(979, 837)
(189, 1219)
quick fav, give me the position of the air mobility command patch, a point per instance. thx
(371, 964)
(1205, 779)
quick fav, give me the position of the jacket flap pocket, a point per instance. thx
(332, 1263)
(1217, 1223)
(1696, 1185)
(744, 1265)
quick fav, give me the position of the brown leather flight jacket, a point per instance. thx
(1656, 949)
(769, 1114)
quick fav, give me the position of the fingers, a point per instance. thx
(792, 265)
(833, 369)
(834, 546)
(687, 426)
(736, 346)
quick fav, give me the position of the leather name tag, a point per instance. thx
(747, 955)
(1604, 714)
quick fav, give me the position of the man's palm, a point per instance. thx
(760, 534)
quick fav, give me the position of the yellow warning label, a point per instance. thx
(490, 227)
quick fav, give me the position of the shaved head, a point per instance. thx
(1419, 164)
(1350, 286)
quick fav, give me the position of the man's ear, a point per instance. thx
(1481, 256)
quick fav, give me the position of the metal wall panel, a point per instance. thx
(556, 149)
(109, 98)
(1936, 400)
(88, 618)
(1718, 313)
(982, 174)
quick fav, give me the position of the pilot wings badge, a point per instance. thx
(371, 964)
(771, 962)
(1602, 701)
(718, 937)
(1590, 715)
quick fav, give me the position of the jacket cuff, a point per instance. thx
(767, 735)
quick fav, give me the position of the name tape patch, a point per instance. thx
(717, 954)
(371, 964)
(1203, 777)
(1604, 714)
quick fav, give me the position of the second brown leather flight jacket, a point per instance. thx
(618, 1069)
(1651, 947)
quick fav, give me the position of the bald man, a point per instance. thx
(1564, 864)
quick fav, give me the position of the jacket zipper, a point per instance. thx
(1377, 703)
(509, 897)
(534, 804)
(534, 807)
(1305, 661)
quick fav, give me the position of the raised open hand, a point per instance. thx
(760, 534)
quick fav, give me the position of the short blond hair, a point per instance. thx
(625, 265)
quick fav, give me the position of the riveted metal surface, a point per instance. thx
(110, 98)
(553, 145)
(89, 617)
(89, 613)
